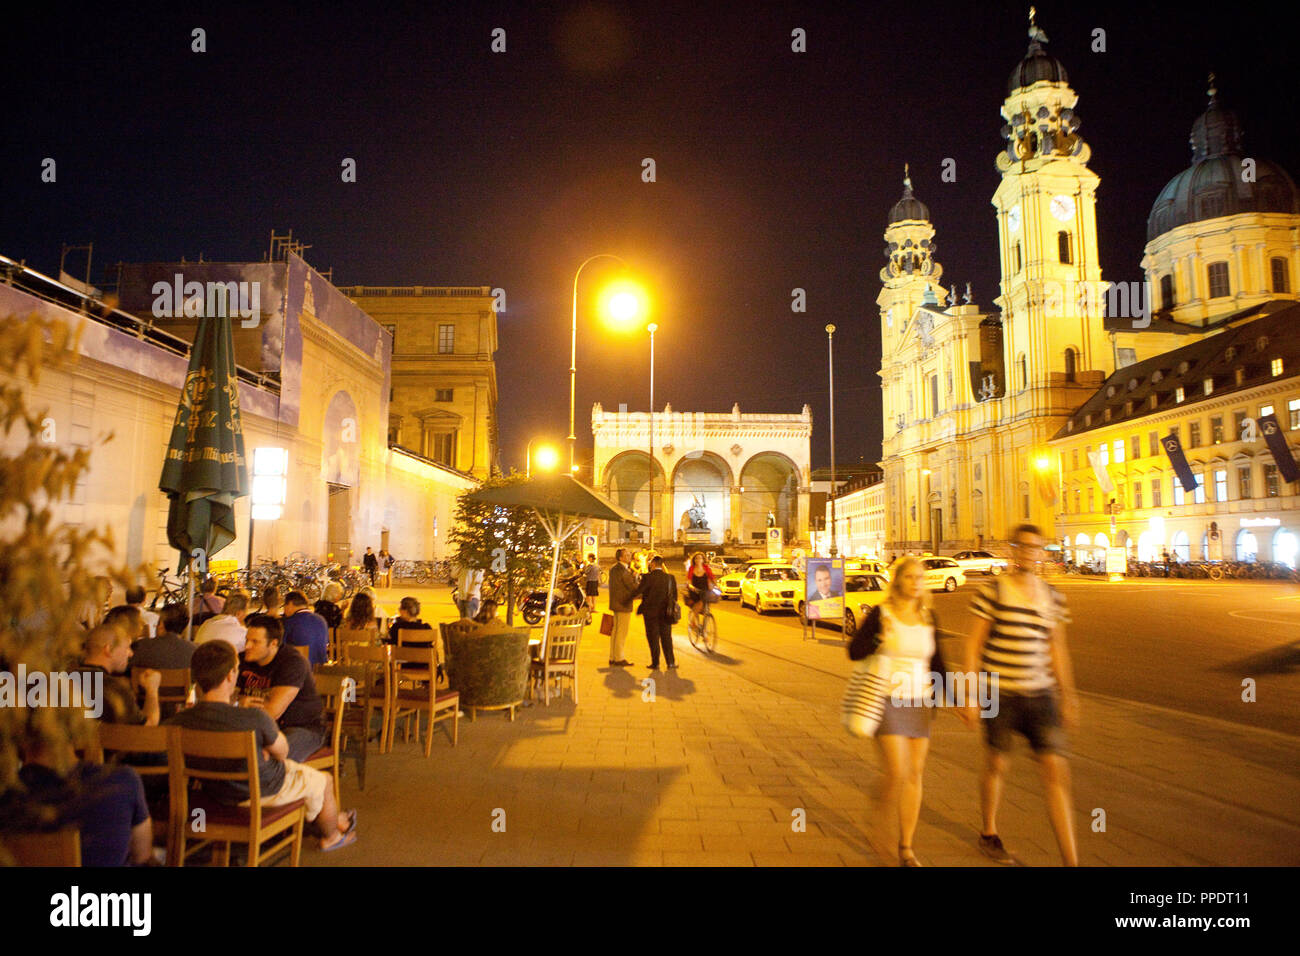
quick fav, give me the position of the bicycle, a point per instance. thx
(702, 627)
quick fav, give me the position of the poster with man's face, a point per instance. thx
(824, 589)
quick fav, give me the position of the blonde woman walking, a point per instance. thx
(902, 629)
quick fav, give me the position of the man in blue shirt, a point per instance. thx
(303, 627)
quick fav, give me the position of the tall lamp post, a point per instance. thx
(830, 347)
(573, 354)
(652, 328)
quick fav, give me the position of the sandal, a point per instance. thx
(349, 839)
(352, 822)
(907, 860)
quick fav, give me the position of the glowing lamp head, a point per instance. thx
(1042, 464)
(546, 458)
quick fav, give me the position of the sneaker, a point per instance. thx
(991, 846)
(672, 667)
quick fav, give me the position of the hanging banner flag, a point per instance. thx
(1174, 449)
(1046, 485)
(1276, 439)
(1103, 475)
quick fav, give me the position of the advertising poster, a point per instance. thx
(824, 589)
(775, 544)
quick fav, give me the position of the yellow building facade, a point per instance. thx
(444, 381)
(980, 408)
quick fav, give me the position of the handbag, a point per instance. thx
(673, 613)
(607, 624)
(863, 706)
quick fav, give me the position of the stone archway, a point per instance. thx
(701, 478)
(626, 482)
(769, 485)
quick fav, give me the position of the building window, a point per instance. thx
(1178, 394)
(442, 448)
(1078, 499)
(1155, 492)
(1178, 492)
(1135, 451)
(1063, 248)
(1024, 372)
(1243, 482)
(1281, 276)
(934, 395)
(911, 405)
(392, 330)
(1089, 501)
(1198, 496)
(1069, 365)
(1024, 505)
(1167, 291)
(1219, 285)
(1216, 430)
(446, 339)
(1103, 452)
(1119, 450)
(1153, 444)
(1238, 375)
(442, 394)
(1137, 495)
(1221, 485)
(1265, 410)
(1194, 435)
(1271, 487)
(1207, 386)
(1075, 459)
(979, 471)
(1019, 262)
(1238, 425)
(1293, 407)
(1275, 367)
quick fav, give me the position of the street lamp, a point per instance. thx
(270, 488)
(652, 328)
(830, 361)
(547, 458)
(623, 305)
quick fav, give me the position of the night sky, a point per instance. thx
(775, 169)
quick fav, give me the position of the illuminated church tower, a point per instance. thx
(1052, 296)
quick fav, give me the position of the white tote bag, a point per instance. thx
(863, 706)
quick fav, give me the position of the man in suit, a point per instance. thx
(370, 564)
(622, 590)
(658, 592)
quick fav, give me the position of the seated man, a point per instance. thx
(135, 598)
(275, 678)
(108, 651)
(105, 803)
(281, 779)
(227, 626)
(303, 627)
(169, 650)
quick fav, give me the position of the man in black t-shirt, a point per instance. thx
(281, 780)
(276, 678)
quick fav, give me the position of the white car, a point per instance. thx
(941, 574)
(771, 586)
(980, 562)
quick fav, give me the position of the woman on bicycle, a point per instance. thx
(699, 581)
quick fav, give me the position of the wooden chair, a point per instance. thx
(331, 688)
(121, 739)
(193, 754)
(376, 689)
(559, 656)
(354, 635)
(60, 848)
(355, 723)
(173, 689)
(424, 696)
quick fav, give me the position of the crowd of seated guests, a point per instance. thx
(235, 656)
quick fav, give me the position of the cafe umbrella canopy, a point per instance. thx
(562, 504)
(205, 470)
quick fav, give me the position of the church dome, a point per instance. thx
(1213, 186)
(909, 207)
(1038, 64)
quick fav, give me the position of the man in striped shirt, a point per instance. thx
(1019, 638)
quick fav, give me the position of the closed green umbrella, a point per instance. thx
(205, 469)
